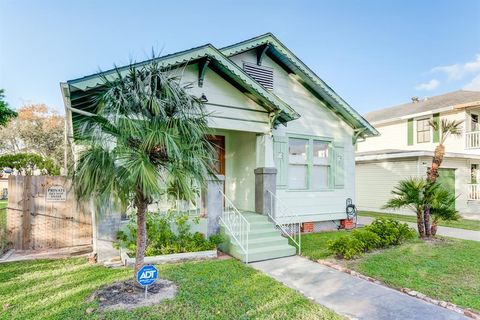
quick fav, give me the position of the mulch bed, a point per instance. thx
(126, 295)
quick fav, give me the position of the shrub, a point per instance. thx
(166, 234)
(390, 232)
(346, 247)
(367, 238)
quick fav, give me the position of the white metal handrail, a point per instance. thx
(289, 228)
(472, 139)
(473, 191)
(236, 224)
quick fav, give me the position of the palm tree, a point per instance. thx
(446, 128)
(410, 193)
(442, 207)
(148, 136)
(416, 193)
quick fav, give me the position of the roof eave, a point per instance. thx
(353, 118)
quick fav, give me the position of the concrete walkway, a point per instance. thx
(350, 296)
(442, 231)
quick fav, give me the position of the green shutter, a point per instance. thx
(280, 154)
(436, 133)
(410, 132)
(339, 168)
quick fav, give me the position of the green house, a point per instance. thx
(286, 142)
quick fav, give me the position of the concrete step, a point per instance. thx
(265, 253)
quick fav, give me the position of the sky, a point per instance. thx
(374, 54)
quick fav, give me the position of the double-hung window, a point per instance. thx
(297, 163)
(423, 130)
(320, 165)
(308, 164)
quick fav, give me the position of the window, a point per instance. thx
(308, 164)
(320, 165)
(474, 122)
(297, 163)
(474, 173)
(423, 130)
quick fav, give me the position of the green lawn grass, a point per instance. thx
(217, 289)
(460, 223)
(446, 269)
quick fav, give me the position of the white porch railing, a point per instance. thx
(236, 224)
(474, 191)
(289, 225)
(472, 139)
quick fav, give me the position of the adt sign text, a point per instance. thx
(147, 275)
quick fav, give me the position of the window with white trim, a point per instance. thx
(309, 164)
(423, 130)
(320, 165)
(297, 163)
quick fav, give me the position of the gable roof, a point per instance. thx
(451, 99)
(78, 92)
(287, 59)
(79, 89)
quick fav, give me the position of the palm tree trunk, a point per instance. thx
(141, 204)
(434, 226)
(420, 225)
(432, 176)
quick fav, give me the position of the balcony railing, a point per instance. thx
(474, 191)
(472, 140)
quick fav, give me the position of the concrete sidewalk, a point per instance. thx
(350, 296)
(442, 231)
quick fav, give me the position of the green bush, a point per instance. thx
(166, 234)
(346, 247)
(380, 234)
(367, 238)
(391, 232)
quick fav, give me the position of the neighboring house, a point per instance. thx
(282, 134)
(405, 148)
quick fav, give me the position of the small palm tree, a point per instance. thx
(410, 193)
(442, 207)
(148, 136)
(446, 128)
(416, 193)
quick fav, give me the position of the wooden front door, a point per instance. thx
(218, 143)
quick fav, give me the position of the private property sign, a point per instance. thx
(56, 193)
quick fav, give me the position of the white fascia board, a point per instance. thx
(412, 154)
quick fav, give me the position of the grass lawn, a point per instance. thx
(460, 223)
(217, 289)
(447, 269)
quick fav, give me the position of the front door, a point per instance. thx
(218, 143)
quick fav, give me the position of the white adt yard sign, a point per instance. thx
(146, 276)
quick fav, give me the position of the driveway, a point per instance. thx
(350, 296)
(442, 231)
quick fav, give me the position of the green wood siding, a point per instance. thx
(339, 168)
(410, 132)
(280, 154)
(436, 133)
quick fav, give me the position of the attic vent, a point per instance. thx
(262, 75)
